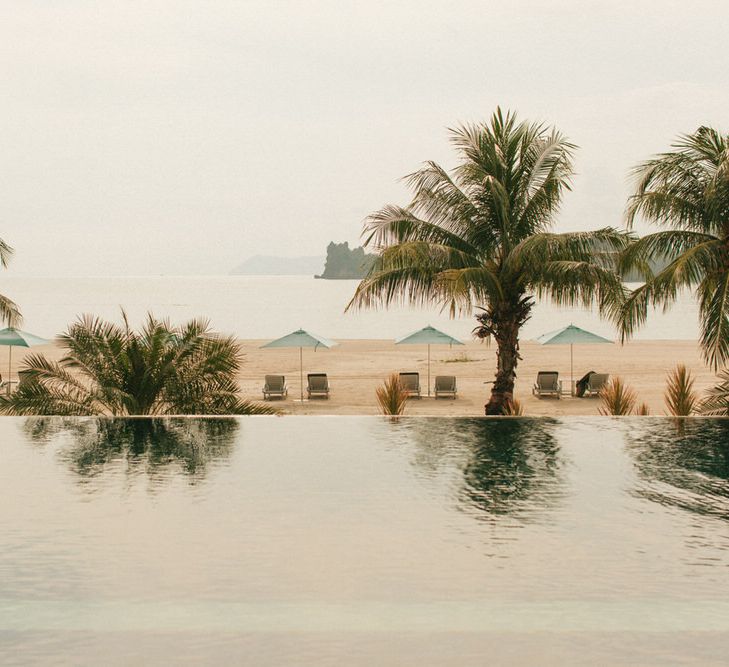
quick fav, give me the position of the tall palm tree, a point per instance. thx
(479, 237)
(687, 191)
(9, 312)
(114, 370)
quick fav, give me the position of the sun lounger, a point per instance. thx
(445, 385)
(410, 382)
(318, 385)
(547, 384)
(595, 383)
(275, 386)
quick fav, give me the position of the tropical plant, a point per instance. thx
(513, 408)
(391, 396)
(617, 398)
(643, 410)
(479, 237)
(9, 311)
(716, 402)
(680, 397)
(687, 192)
(114, 370)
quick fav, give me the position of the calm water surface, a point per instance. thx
(336, 541)
(258, 307)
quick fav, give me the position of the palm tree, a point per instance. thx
(686, 191)
(114, 370)
(9, 312)
(479, 237)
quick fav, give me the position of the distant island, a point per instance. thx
(343, 263)
(265, 265)
(340, 263)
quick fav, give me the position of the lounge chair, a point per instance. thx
(275, 386)
(318, 385)
(547, 384)
(411, 384)
(445, 385)
(595, 383)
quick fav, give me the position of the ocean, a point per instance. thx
(260, 307)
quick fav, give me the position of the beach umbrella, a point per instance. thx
(428, 336)
(12, 337)
(301, 339)
(571, 335)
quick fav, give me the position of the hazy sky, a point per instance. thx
(182, 137)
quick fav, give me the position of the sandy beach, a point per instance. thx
(356, 367)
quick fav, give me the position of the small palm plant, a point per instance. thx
(716, 403)
(514, 408)
(391, 396)
(680, 397)
(115, 370)
(617, 398)
(643, 410)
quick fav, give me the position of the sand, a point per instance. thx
(357, 367)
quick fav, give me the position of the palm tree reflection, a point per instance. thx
(507, 467)
(159, 447)
(683, 463)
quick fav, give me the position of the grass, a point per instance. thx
(462, 359)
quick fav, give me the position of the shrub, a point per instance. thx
(617, 398)
(391, 396)
(681, 399)
(513, 408)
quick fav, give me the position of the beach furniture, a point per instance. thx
(547, 384)
(301, 339)
(571, 335)
(275, 386)
(445, 385)
(428, 336)
(595, 383)
(318, 385)
(410, 382)
(12, 337)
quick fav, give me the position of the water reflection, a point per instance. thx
(683, 463)
(159, 447)
(507, 467)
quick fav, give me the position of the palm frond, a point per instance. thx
(714, 309)
(9, 312)
(6, 252)
(716, 401)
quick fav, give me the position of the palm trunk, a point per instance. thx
(502, 321)
(507, 356)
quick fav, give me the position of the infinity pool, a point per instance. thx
(362, 541)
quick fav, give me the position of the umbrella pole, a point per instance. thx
(572, 374)
(10, 365)
(301, 372)
(428, 370)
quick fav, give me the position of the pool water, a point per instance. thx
(364, 541)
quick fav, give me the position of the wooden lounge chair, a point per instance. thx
(547, 384)
(275, 386)
(595, 383)
(445, 385)
(411, 384)
(318, 385)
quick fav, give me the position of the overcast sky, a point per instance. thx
(183, 137)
